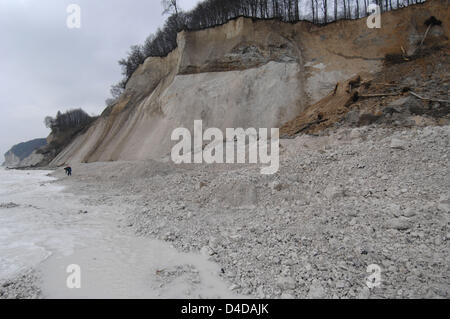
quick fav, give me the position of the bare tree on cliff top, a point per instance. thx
(170, 6)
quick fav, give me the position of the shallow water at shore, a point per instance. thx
(23, 221)
(47, 229)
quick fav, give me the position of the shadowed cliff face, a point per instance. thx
(22, 154)
(245, 74)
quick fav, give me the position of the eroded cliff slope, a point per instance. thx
(246, 73)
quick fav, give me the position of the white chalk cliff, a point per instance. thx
(245, 73)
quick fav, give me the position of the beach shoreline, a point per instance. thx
(87, 230)
(291, 235)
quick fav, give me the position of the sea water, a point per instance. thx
(43, 227)
(24, 223)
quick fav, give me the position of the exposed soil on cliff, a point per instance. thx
(409, 91)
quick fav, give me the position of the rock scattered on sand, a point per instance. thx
(398, 144)
(9, 205)
(401, 223)
(24, 286)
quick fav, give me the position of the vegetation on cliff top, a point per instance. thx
(71, 119)
(211, 13)
(64, 126)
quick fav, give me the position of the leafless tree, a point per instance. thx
(170, 7)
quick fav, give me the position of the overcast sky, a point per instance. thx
(46, 67)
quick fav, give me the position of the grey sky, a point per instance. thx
(46, 67)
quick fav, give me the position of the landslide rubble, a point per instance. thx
(341, 201)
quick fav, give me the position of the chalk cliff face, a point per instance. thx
(246, 73)
(11, 160)
(24, 154)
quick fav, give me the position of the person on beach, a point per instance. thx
(68, 170)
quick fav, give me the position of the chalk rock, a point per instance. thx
(398, 144)
(401, 223)
(316, 291)
(286, 283)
